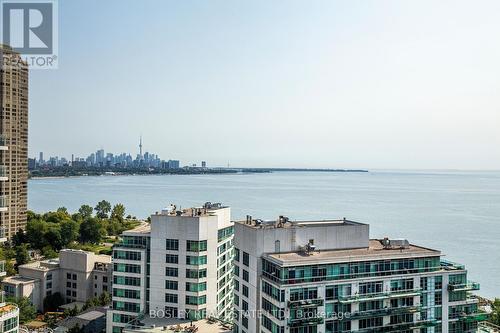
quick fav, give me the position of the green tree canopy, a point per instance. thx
(118, 212)
(27, 311)
(91, 231)
(22, 255)
(102, 209)
(85, 211)
(495, 315)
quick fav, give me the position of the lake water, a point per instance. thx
(455, 212)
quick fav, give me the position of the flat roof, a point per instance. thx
(143, 228)
(375, 251)
(17, 279)
(155, 325)
(273, 224)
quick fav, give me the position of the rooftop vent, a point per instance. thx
(308, 249)
(280, 222)
(391, 244)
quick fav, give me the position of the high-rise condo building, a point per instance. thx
(329, 277)
(13, 141)
(9, 313)
(178, 267)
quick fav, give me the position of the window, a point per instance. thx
(127, 280)
(236, 254)
(245, 275)
(245, 291)
(172, 259)
(49, 276)
(172, 245)
(171, 271)
(74, 276)
(171, 298)
(196, 246)
(195, 300)
(196, 287)
(196, 273)
(126, 293)
(246, 259)
(172, 285)
(68, 276)
(126, 268)
(127, 255)
(196, 260)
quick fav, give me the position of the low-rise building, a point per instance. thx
(77, 275)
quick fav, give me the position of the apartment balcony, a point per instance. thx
(4, 203)
(3, 238)
(380, 296)
(470, 317)
(2, 268)
(3, 143)
(382, 312)
(129, 245)
(3, 173)
(397, 327)
(298, 322)
(307, 303)
(451, 266)
(467, 286)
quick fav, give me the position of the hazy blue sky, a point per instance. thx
(355, 84)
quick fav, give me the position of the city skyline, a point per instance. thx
(324, 84)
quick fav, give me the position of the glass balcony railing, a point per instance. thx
(4, 201)
(297, 322)
(397, 327)
(467, 286)
(3, 140)
(305, 303)
(450, 265)
(379, 296)
(470, 317)
(3, 171)
(382, 312)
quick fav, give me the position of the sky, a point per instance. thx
(272, 83)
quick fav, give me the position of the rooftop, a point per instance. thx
(17, 279)
(375, 251)
(285, 222)
(156, 325)
(143, 228)
(206, 210)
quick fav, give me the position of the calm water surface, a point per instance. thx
(456, 212)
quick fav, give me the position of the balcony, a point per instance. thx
(470, 317)
(3, 143)
(297, 322)
(3, 173)
(4, 203)
(380, 296)
(382, 312)
(467, 286)
(397, 327)
(306, 303)
(451, 266)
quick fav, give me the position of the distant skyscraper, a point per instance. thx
(13, 140)
(40, 159)
(203, 164)
(140, 147)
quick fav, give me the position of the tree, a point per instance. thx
(69, 232)
(91, 231)
(27, 311)
(49, 253)
(118, 212)
(19, 238)
(495, 313)
(102, 209)
(53, 238)
(85, 211)
(22, 255)
(35, 233)
(104, 299)
(52, 302)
